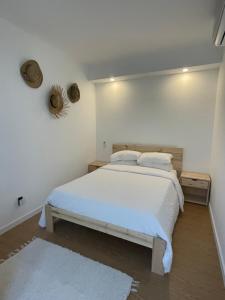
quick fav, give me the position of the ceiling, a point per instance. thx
(120, 37)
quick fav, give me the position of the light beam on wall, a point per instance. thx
(185, 70)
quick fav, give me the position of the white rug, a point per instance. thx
(45, 271)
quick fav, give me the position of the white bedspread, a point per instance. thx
(138, 198)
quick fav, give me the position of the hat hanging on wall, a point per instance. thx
(73, 93)
(31, 73)
(58, 104)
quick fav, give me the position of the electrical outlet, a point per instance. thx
(20, 200)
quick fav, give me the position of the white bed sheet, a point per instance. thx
(142, 199)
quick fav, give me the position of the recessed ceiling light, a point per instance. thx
(185, 70)
(112, 79)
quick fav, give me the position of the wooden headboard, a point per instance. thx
(176, 152)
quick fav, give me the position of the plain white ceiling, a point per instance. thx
(122, 36)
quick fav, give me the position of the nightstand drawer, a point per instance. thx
(196, 187)
(201, 184)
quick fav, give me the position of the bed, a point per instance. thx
(134, 203)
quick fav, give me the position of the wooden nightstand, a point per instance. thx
(196, 187)
(95, 165)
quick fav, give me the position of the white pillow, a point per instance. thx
(165, 167)
(125, 162)
(155, 158)
(125, 155)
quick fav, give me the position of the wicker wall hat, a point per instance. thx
(73, 93)
(58, 104)
(31, 73)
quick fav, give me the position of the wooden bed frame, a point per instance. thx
(157, 244)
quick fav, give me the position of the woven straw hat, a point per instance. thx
(31, 73)
(73, 93)
(58, 104)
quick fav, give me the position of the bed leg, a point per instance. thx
(159, 246)
(49, 219)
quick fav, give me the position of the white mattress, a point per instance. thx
(138, 198)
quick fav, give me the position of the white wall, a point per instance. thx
(168, 110)
(218, 167)
(38, 152)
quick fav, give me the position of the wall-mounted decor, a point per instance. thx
(58, 104)
(31, 73)
(73, 93)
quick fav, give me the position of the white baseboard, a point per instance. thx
(20, 220)
(218, 246)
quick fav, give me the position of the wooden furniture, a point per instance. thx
(196, 187)
(157, 244)
(95, 165)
